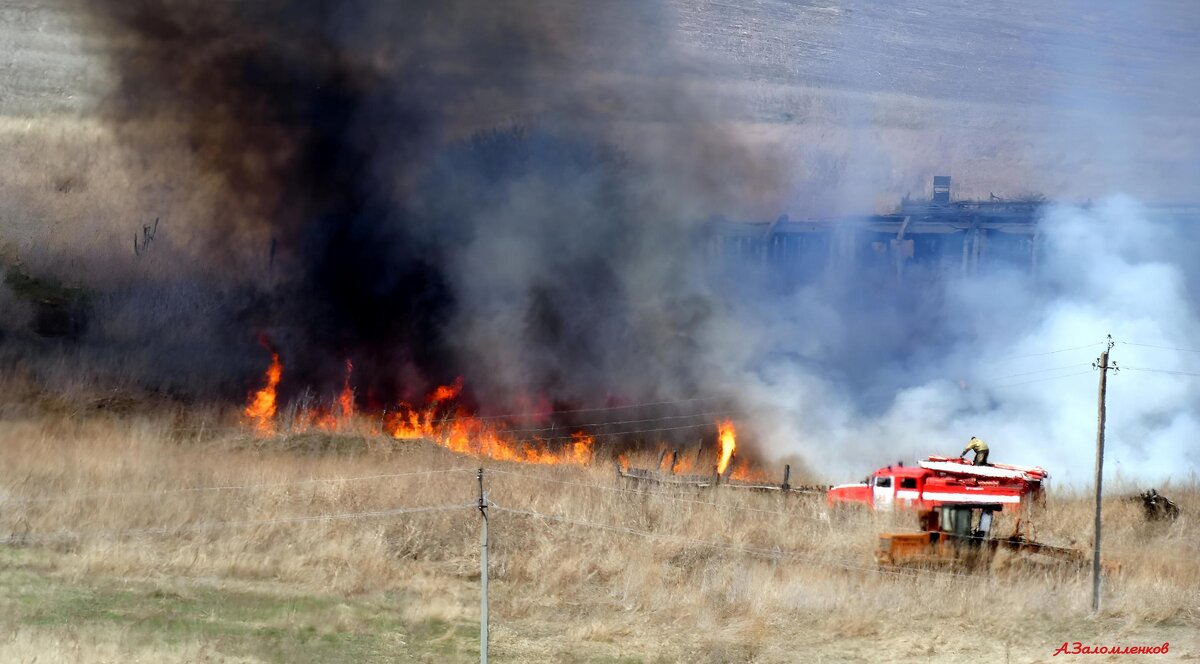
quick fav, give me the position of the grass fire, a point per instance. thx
(442, 418)
(636, 331)
(262, 408)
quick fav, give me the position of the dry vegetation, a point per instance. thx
(225, 575)
(110, 551)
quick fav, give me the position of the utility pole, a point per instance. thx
(483, 573)
(1103, 365)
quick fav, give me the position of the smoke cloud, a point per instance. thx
(857, 382)
(440, 186)
(519, 193)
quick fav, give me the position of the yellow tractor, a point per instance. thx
(958, 536)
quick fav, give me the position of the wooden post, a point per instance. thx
(1100, 417)
(483, 574)
(787, 474)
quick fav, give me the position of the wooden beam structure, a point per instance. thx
(959, 238)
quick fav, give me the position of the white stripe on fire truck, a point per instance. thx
(973, 497)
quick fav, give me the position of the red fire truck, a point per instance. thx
(939, 480)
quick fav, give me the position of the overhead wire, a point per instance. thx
(614, 434)
(1040, 380)
(646, 404)
(1182, 350)
(715, 413)
(1051, 352)
(1039, 371)
(518, 416)
(1161, 371)
(1173, 372)
(577, 427)
(655, 494)
(225, 525)
(775, 553)
(227, 487)
(770, 553)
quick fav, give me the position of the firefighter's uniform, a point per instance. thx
(980, 449)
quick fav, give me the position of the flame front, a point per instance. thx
(727, 440)
(346, 398)
(334, 417)
(458, 431)
(261, 409)
(447, 423)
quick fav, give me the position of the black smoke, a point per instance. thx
(510, 192)
(437, 189)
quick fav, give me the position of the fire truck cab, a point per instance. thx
(938, 480)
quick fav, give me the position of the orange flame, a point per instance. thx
(684, 463)
(261, 409)
(447, 392)
(458, 431)
(445, 423)
(727, 439)
(744, 472)
(333, 418)
(346, 398)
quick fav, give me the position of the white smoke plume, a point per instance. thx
(1015, 371)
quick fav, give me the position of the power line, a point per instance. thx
(1039, 380)
(611, 434)
(1161, 371)
(1038, 371)
(577, 427)
(242, 487)
(657, 494)
(515, 416)
(223, 525)
(646, 404)
(769, 553)
(714, 413)
(1051, 352)
(614, 434)
(1182, 350)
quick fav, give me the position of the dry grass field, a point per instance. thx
(136, 531)
(141, 526)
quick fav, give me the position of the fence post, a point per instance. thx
(483, 574)
(787, 475)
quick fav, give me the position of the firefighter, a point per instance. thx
(981, 451)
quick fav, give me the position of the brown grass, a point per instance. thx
(561, 590)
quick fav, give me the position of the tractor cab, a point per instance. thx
(952, 535)
(965, 522)
(959, 536)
